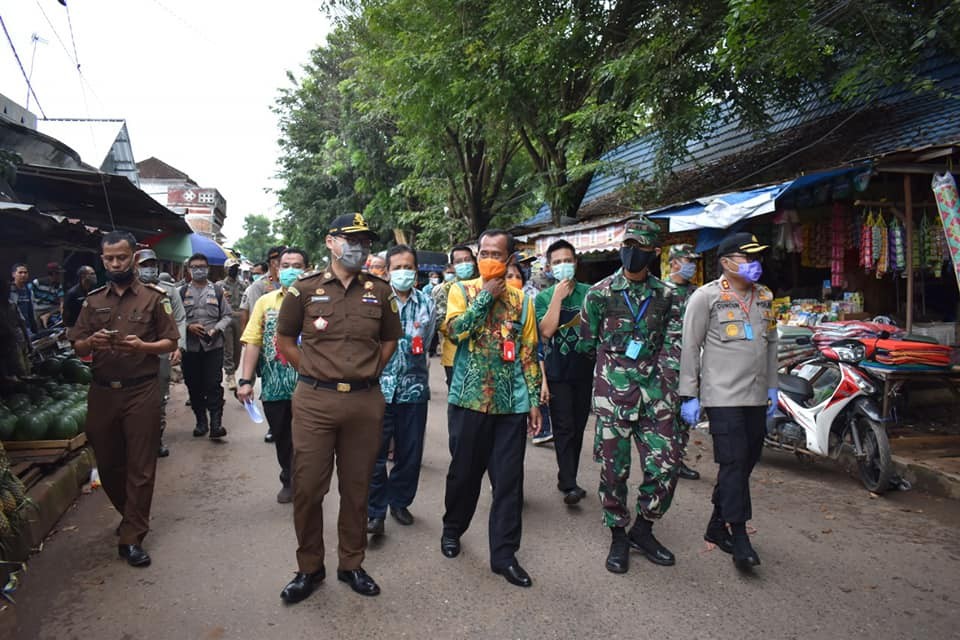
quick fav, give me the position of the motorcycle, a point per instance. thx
(828, 405)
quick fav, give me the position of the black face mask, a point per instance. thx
(233, 272)
(635, 260)
(120, 277)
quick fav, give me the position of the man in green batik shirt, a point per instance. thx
(631, 320)
(278, 378)
(569, 373)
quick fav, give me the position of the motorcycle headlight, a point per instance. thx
(865, 385)
(851, 354)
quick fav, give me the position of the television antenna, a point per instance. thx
(34, 39)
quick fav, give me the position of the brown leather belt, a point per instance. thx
(124, 383)
(342, 387)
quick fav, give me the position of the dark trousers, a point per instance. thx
(495, 444)
(279, 415)
(327, 427)
(737, 442)
(569, 411)
(123, 427)
(405, 424)
(203, 375)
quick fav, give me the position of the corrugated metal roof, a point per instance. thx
(92, 139)
(897, 119)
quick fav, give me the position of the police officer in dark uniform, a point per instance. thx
(349, 328)
(127, 325)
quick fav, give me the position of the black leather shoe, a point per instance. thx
(743, 554)
(649, 546)
(268, 437)
(687, 473)
(720, 536)
(375, 526)
(618, 560)
(515, 575)
(302, 586)
(217, 432)
(402, 515)
(573, 496)
(450, 547)
(200, 430)
(359, 581)
(134, 555)
(163, 452)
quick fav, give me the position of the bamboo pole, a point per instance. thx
(908, 211)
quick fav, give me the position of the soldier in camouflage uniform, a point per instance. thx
(683, 267)
(631, 320)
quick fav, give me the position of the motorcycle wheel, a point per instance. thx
(876, 466)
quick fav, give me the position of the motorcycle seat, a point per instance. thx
(796, 387)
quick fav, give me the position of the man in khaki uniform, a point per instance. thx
(349, 327)
(127, 325)
(728, 365)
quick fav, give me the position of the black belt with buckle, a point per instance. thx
(342, 387)
(125, 382)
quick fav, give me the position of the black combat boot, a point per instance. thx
(201, 429)
(744, 557)
(618, 560)
(216, 423)
(641, 538)
(717, 532)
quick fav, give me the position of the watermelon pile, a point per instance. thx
(51, 407)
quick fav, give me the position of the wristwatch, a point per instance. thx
(243, 381)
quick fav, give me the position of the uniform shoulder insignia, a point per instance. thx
(157, 288)
(764, 292)
(292, 290)
(308, 274)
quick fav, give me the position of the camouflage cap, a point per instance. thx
(682, 251)
(643, 230)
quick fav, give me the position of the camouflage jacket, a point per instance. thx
(682, 293)
(627, 388)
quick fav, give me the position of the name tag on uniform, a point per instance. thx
(319, 298)
(633, 349)
(211, 299)
(370, 300)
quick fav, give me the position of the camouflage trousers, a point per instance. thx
(659, 445)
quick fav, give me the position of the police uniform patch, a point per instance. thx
(393, 305)
(320, 291)
(732, 330)
(724, 284)
(368, 285)
(326, 275)
(292, 289)
(730, 315)
(166, 306)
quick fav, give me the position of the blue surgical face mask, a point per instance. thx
(464, 270)
(750, 271)
(289, 275)
(563, 271)
(403, 279)
(257, 276)
(449, 277)
(688, 270)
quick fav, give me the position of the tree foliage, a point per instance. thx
(257, 238)
(442, 118)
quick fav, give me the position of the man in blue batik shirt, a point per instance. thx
(406, 388)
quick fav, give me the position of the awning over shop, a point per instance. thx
(593, 236)
(722, 211)
(99, 199)
(180, 246)
(21, 225)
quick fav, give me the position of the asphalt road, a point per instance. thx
(836, 562)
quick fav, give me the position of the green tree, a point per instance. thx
(257, 238)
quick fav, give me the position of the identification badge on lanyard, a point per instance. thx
(416, 345)
(748, 330)
(633, 349)
(509, 351)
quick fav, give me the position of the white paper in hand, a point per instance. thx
(253, 411)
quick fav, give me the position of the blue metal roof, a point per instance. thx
(897, 119)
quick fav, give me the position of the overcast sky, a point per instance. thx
(194, 79)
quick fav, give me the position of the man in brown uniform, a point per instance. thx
(127, 325)
(349, 329)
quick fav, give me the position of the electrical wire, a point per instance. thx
(22, 70)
